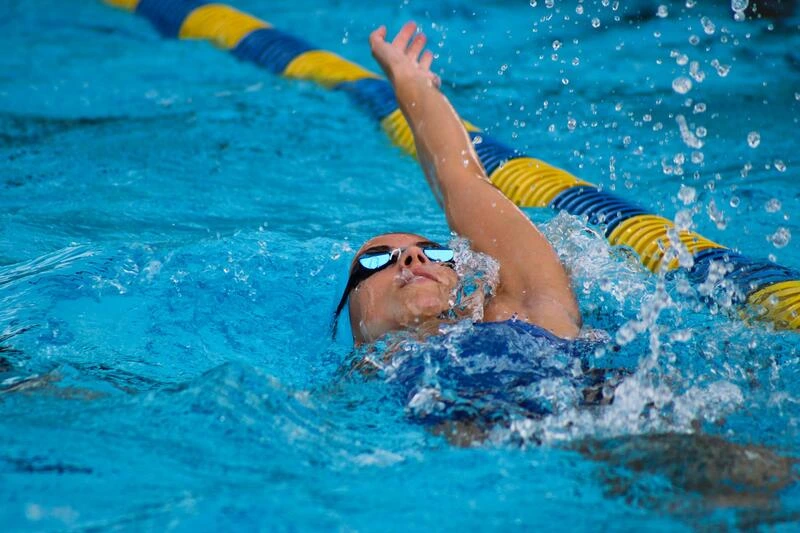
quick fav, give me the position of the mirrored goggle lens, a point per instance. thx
(375, 261)
(442, 255)
(379, 260)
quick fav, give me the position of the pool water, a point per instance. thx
(177, 226)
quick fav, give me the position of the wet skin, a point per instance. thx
(411, 293)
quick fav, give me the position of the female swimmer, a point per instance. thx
(402, 281)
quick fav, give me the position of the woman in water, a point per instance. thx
(466, 386)
(402, 281)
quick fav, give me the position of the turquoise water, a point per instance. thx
(177, 225)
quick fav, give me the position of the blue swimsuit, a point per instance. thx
(491, 371)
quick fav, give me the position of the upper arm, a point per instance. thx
(533, 281)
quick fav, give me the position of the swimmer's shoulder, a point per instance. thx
(550, 316)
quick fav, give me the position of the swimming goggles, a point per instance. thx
(376, 259)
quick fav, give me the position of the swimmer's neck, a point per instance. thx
(419, 330)
(430, 327)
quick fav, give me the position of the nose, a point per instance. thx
(411, 255)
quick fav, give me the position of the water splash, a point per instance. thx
(478, 276)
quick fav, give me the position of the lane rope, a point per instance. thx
(772, 291)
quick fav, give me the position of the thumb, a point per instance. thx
(377, 36)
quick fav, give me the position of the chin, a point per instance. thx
(426, 306)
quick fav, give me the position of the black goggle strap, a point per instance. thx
(359, 274)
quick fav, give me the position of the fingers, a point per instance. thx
(405, 33)
(416, 46)
(407, 49)
(377, 36)
(426, 60)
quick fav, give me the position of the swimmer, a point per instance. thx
(402, 281)
(405, 282)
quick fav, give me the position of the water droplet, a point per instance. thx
(575, 61)
(696, 73)
(579, 9)
(694, 40)
(779, 165)
(571, 124)
(701, 132)
(595, 22)
(708, 26)
(780, 238)
(753, 139)
(773, 205)
(716, 215)
(735, 201)
(690, 3)
(739, 5)
(565, 81)
(477, 140)
(688, 137)
(687, 194)
(722, 70)
(662, 11)
(681, 85)
(697, 157)
(683, 219)
(533, 3)
(556, 44)
(679, 159)
(549, 3)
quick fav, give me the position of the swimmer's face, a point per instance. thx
(408, 292)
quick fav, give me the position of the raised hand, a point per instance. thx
(401, 59)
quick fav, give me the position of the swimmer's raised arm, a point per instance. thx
(533, 283)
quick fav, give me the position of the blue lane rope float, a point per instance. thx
(771, 290)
